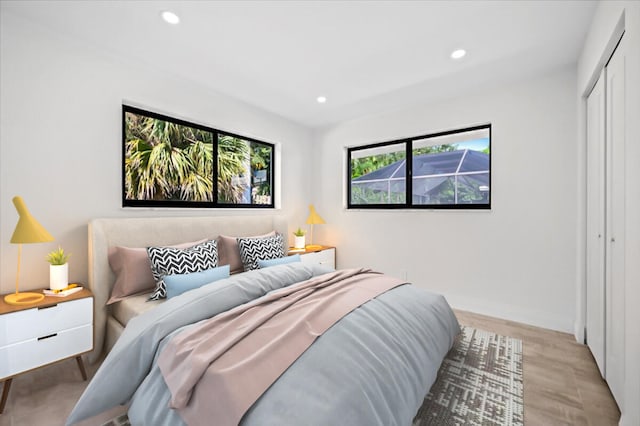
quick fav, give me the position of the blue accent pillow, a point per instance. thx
(278, 261)
(179, 283)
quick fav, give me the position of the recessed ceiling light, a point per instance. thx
(170, 17)
(459, 53)
(321, 99)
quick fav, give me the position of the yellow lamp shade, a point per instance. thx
(28, 229)
(314, 218)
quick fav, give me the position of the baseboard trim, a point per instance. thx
(579, 332)
(514, 313)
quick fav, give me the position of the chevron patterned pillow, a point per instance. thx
(170, 261)
(260, 248)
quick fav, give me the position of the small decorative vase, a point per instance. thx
(58, 276)
(299, 242)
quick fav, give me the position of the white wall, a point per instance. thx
(60, 148)
(516, 261)
(599, 43)
(60, 140)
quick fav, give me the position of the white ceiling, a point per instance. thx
(365, 57)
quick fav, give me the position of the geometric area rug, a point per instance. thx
(121, 420)
(479, 383)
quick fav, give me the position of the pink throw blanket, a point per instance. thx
(217, 369)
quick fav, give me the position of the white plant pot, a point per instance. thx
(58, 276)
(299, 242)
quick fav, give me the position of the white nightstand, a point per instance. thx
(52, 330)
(325, 255)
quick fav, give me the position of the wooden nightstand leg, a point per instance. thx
(5, 393)
(81, 367)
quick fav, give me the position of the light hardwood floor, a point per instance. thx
(562, 385)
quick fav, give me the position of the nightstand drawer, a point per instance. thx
(27, 355)
(37, 322)
(324, 257)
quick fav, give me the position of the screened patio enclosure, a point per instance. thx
(454, 177)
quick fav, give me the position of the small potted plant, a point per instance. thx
(299, 240)
(58, 269)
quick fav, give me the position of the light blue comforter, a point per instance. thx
(373, 367)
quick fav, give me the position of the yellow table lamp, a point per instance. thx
(28, 230)
(313, 219)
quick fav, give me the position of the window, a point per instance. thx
(173, 163)
(244, 171)
(449, 170)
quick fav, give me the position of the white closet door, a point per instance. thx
(615, 312)
(596, 223)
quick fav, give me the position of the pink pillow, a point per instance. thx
(133, 270)
(229, 252)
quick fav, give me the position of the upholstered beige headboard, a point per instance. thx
(144, 232)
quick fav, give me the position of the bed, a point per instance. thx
(372, 365)
(143, 232)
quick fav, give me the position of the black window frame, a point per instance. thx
(408, 204)
(215, 135)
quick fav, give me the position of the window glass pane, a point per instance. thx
(244, 171)
(378, 175)
(166, 161)
(452, 169)
(261, 173)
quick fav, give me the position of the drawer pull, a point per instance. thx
(47, 307)
(46, 337)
